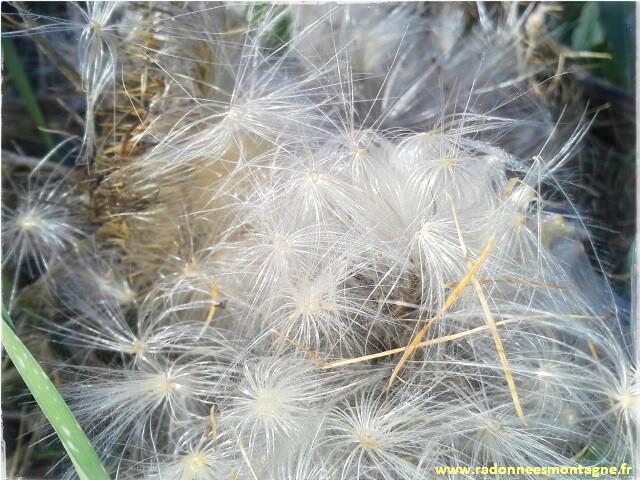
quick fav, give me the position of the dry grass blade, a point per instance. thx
(426, 343)
(450, 300)
(245, 457)
(491, 323)
(215, 293)
(447, 338)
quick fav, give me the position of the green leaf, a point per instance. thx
(11, 60)
(618, 23)
(589, 33)
(267, 12)
(84, 458)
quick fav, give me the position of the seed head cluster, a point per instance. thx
(323, 242)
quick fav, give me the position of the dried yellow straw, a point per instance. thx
(491, 323)
(444, 339)
(453, 296)
(426, 343)
(215, 293)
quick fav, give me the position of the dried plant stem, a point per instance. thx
(426, 343)
(453, 296)
(215, 293)
(446, 338)
(245, 457)
(491, 323)
(512, 281)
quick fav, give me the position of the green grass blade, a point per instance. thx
(11, 60)
(75, 442)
